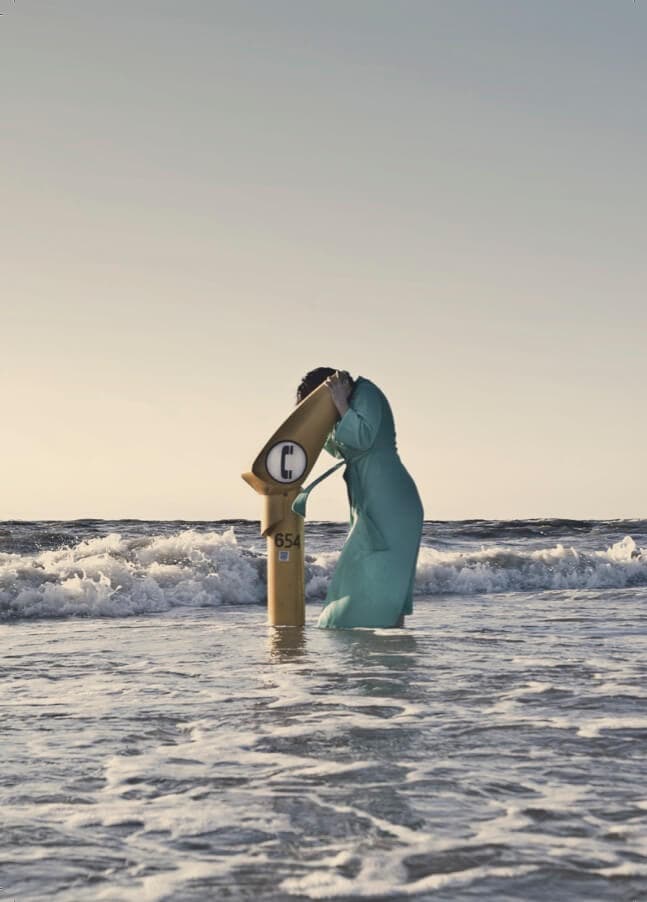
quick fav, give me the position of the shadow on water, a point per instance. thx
(394, 649)
(364, 662)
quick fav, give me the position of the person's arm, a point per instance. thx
(340, 386)
(359, 425)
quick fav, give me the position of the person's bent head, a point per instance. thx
(313, 380)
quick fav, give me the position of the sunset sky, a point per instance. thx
(202, 200)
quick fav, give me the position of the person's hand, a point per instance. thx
(340, 386)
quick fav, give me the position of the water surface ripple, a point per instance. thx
(494, 750)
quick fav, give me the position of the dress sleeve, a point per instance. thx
(330, 445)
(359, 426)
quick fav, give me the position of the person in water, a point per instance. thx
(372, 585)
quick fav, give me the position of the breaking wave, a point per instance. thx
(502, 569)
(117, 576)
(112, 576)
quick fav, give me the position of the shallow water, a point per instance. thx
(494, 749)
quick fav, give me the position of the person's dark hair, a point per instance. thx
(313, 380)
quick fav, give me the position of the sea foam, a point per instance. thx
(506, 569)
(117, 576)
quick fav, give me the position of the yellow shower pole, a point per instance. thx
(278, 474)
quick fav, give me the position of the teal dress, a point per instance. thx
(372, 585)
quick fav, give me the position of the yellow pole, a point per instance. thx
(278, 473)
(285, 565)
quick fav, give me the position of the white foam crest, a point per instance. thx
(116, 577)
(626, 869)
(372, 882)
(319, 569)
(502, 569)
(113, 576)
(590, 729)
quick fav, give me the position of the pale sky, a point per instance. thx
(202, 200)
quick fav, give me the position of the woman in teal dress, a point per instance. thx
(372, 585)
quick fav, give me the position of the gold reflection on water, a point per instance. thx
(286, 643)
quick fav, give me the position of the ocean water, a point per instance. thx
(160, 742)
